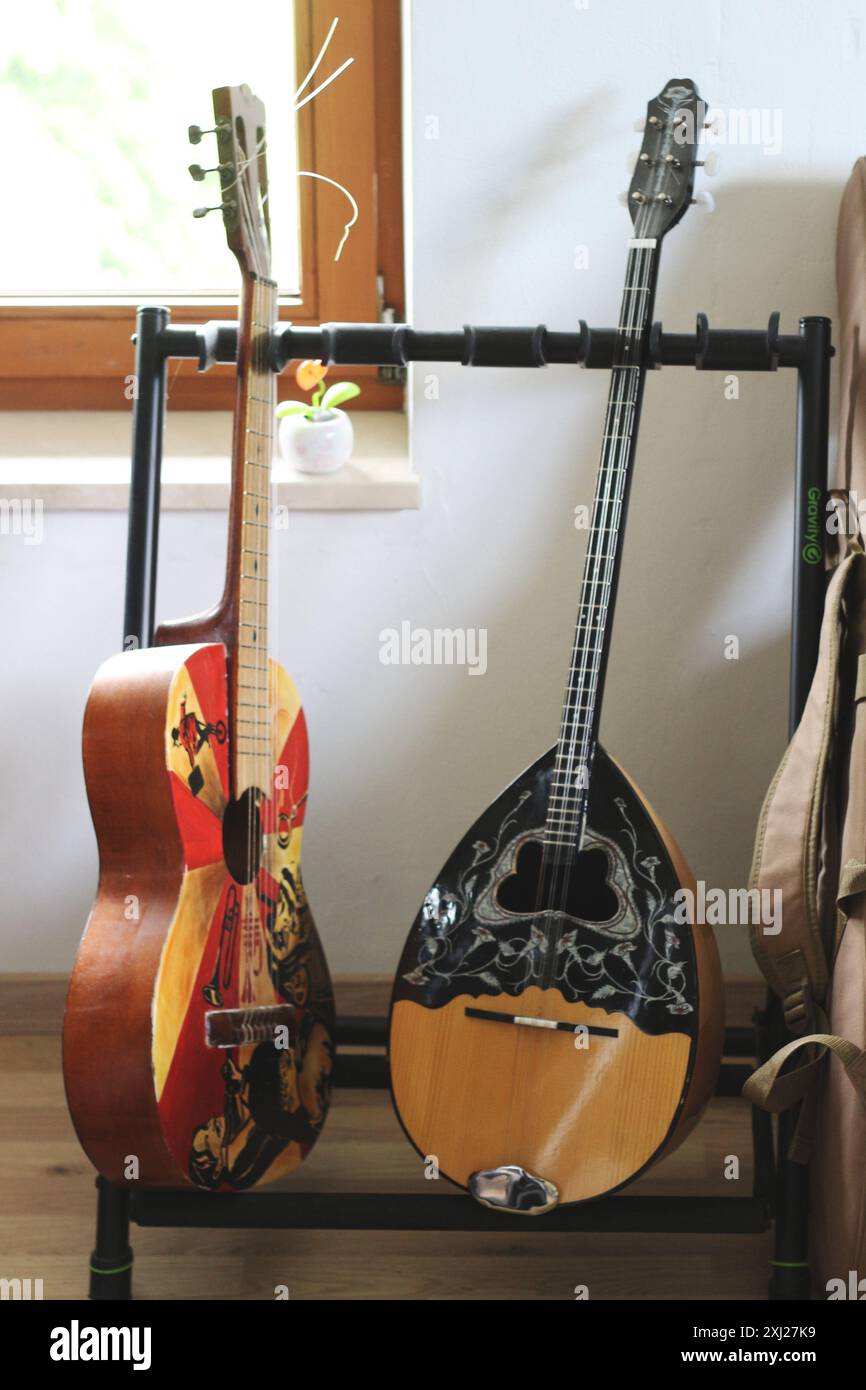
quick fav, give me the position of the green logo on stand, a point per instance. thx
(813, 551)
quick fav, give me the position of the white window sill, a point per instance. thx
(79, 461)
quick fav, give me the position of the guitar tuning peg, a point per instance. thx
(639, 125)
(195, 132)
(706, 200)
(217, 207)
(197, 172)
(711, 164)
(622, 198)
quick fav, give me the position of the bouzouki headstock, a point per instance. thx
(240, 132)
(664, 177)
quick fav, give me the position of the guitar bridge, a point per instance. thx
(234, 1027)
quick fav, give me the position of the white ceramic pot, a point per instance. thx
(321, 445)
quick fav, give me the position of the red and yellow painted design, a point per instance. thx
(238, 1116)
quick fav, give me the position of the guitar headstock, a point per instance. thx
(239, 120)
(664, 176)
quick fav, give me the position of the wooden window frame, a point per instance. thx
(78, 357)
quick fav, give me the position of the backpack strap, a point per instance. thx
(788, 842)
(772, 1091)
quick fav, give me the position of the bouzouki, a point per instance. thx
(556, 1021)
(198, 1037)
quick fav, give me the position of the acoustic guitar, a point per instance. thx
(556, 1021)
(198, 1038)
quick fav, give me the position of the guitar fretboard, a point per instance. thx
(253, 754)
(567, 801)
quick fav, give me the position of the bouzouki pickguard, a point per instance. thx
(638, 960)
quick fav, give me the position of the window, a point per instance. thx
(100, 95)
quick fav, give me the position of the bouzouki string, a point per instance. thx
(564, 825)
(570, 783)
(572, 778)
(608, 496)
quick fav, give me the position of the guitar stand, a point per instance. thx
(780, 1191)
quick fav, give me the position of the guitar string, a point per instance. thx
(250, 446)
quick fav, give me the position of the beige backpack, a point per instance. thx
(811, 844)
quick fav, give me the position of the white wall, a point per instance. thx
(535, 107)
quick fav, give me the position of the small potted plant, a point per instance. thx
(317, 437)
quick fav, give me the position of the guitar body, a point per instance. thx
(177, 937)
(587, 1112)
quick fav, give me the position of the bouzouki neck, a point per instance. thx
(660, 191)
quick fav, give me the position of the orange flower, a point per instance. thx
(309, 374)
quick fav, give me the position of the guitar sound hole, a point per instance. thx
(589, 895)
(242, 837)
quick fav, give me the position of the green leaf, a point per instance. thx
(338, 393)
(290, 408)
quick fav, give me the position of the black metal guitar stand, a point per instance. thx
(779, 1189)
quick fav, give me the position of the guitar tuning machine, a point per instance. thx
(195, 132)
(227, 207)
(197, 172)
(705, 200)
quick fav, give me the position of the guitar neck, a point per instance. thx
(249, 544)
(582, 704)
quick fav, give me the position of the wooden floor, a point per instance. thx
(46, 1222)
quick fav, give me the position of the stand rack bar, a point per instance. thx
(736, 350)
(396, 345)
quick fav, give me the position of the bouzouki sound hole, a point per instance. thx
(589, 895)
(242, 836)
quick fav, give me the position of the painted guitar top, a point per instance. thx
(556, 1022)
(198, 1037)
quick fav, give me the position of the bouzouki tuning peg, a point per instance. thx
(706, 200)
(710, 165)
